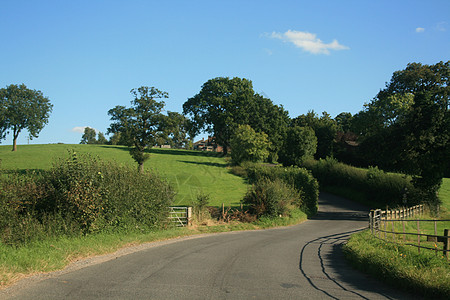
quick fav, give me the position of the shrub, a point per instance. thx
(81, 194)
(271, 198)
(200, 208)
(299, 178)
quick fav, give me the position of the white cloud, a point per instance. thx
(308, 42)
(420, 29)
(80, 129)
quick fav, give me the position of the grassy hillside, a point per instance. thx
(189, 172)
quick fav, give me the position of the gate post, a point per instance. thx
(446, 242)
(189, 215)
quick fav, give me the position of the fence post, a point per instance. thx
(371, 221)
(446, 243)
(189, 215)
(418, 235)
(404, 235)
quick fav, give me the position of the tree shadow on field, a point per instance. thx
(180, 152)
(185, 152)
(204, 163)
(123, 148)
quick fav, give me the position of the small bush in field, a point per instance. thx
(271, 198)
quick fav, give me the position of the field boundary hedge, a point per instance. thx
(372, 186)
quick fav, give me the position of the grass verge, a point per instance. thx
(55, 254)
(401, 266)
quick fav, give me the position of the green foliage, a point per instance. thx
(325, 129)
(379, 188)
(88, 136)
(406, 126)
(140, 125)
(425, 274)
(223, 103)
(101, 139)
(300, 144)
(299, 178)
(248, 145)
(80, 195)
(22, 108)
(271, 198)
(175, 128)
(199, 207)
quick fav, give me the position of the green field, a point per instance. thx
(189, 172)
(444, 195)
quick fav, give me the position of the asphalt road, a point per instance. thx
(298, 262)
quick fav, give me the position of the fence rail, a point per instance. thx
(181, 216)
(383, 223)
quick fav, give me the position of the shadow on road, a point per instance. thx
(336, 240)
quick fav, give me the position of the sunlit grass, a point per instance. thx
(189, 172)
(426, 273)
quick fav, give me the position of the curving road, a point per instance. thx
(297, 262)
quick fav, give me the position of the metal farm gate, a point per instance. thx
(180, 215)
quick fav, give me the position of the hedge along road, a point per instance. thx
(298, 262)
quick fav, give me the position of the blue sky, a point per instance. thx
(333, 56)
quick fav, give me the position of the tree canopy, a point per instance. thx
(299, 145)
(223, 103)
(248, 145)
(139, 125)
(407, 125)
(89, 136)
(325, 129)
(22, 108)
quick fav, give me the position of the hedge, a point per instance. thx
(301, 179)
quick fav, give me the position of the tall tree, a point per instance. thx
(325, 129)
(410, 125)
(88, 136)
(300, 144)
(140, 124)
(223, 103)
(175, 130)
(248, 145)
(344, 121)
(101, 139)
(22, 108)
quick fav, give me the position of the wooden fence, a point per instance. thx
(180, 215)
(383, 224)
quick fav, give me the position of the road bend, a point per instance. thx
(304, 261)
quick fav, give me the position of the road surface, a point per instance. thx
(297, 262)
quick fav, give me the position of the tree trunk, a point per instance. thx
(14, 144)
(15, 135)
(141, 167)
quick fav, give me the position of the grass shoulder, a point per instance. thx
(426, 274)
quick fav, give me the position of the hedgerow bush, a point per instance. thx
(299, 178)
(378, 187)
(80, 195)
(271, 198)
